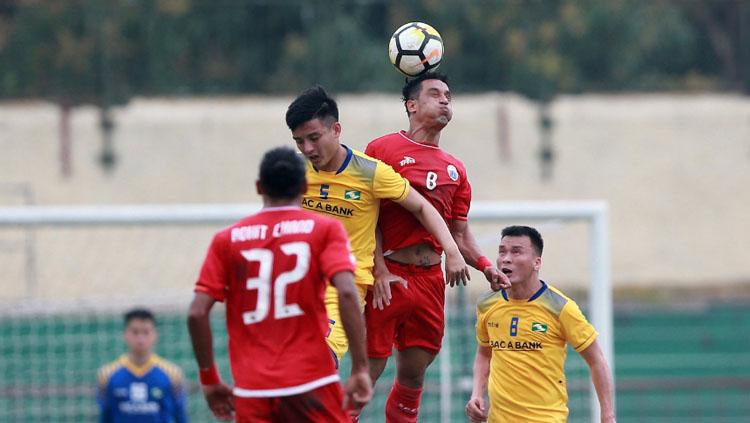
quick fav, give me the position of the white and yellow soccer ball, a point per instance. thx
(415, 48)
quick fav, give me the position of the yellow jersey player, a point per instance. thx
(348, 185)
(522, 334)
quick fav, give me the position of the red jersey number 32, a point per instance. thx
(262, 282)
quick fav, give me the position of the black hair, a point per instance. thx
(140, 314)
(282, 173)
(311, 104)
(414, 85)
(533, 234)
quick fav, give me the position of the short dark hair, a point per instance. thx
(282, 173)
(311, 104)
(414, 85)
(140, 314)
(533, 234)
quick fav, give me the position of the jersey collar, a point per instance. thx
(136, 370)
(533, 297)
(406, 137)
(349, 154)
(347, 159)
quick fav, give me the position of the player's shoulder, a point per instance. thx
(487, 300)
(554, 300)
(172, 370)
(105, 372)
(363, 164)
(453, 160)
(379, 141)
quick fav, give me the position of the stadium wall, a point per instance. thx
(673, 168)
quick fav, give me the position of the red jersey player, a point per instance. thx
(412, 318)
(271, 269)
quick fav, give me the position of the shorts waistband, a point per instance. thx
(411, 267)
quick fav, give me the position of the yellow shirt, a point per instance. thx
(352, 195)
(528, 341)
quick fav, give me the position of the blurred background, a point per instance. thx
(641, 104)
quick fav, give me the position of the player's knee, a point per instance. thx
(412, 378)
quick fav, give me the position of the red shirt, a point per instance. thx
(272, 269)
(437, 175)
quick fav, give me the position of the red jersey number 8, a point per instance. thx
(262, 282)
(431, 181)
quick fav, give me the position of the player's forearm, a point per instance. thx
(201, 336)
(600, 377)
(378, 258)
(466, 243)
(481, 372)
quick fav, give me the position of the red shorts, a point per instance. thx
(321, 405)
(416, 316)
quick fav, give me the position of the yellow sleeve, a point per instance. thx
(578, 331)
(483, 337)
(388, 184)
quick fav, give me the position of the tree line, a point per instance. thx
(107, 51)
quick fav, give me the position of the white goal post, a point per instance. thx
(593, 213)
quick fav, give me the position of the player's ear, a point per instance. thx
(411, 106)
(336, 128)
(259, 188)
(537, 263)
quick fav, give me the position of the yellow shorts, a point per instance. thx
(336, 338)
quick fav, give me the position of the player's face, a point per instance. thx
(433, 103)
(518, 259)
(140, 336)
(319, 142)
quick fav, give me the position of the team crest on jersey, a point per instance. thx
(138, 392)
(452, 172)
(351, 194)
(538, 327)
(407, 160)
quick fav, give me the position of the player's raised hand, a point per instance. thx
(456, 270)
(219, 399)
(381, 293)
(476, 410)
(357, 391)
(497, 279)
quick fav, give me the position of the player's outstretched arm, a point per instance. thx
(381, 295)
(218, 395)
(456, 270)
(600, 376)
(358, 387)
(476, 408)
(469, 248)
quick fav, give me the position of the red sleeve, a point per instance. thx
(213, 276)
(372, 150)
(462, 199)
(337, 254)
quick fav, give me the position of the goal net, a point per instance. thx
(69, 273)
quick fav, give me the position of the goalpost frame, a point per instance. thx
(594, 213)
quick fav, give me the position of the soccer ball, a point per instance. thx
(415, 48)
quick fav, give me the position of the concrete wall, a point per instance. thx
(675, 169)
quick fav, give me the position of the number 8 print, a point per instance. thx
(262, 282)
(431, 181)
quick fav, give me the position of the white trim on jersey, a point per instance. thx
(403, 134)
(285, 392)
